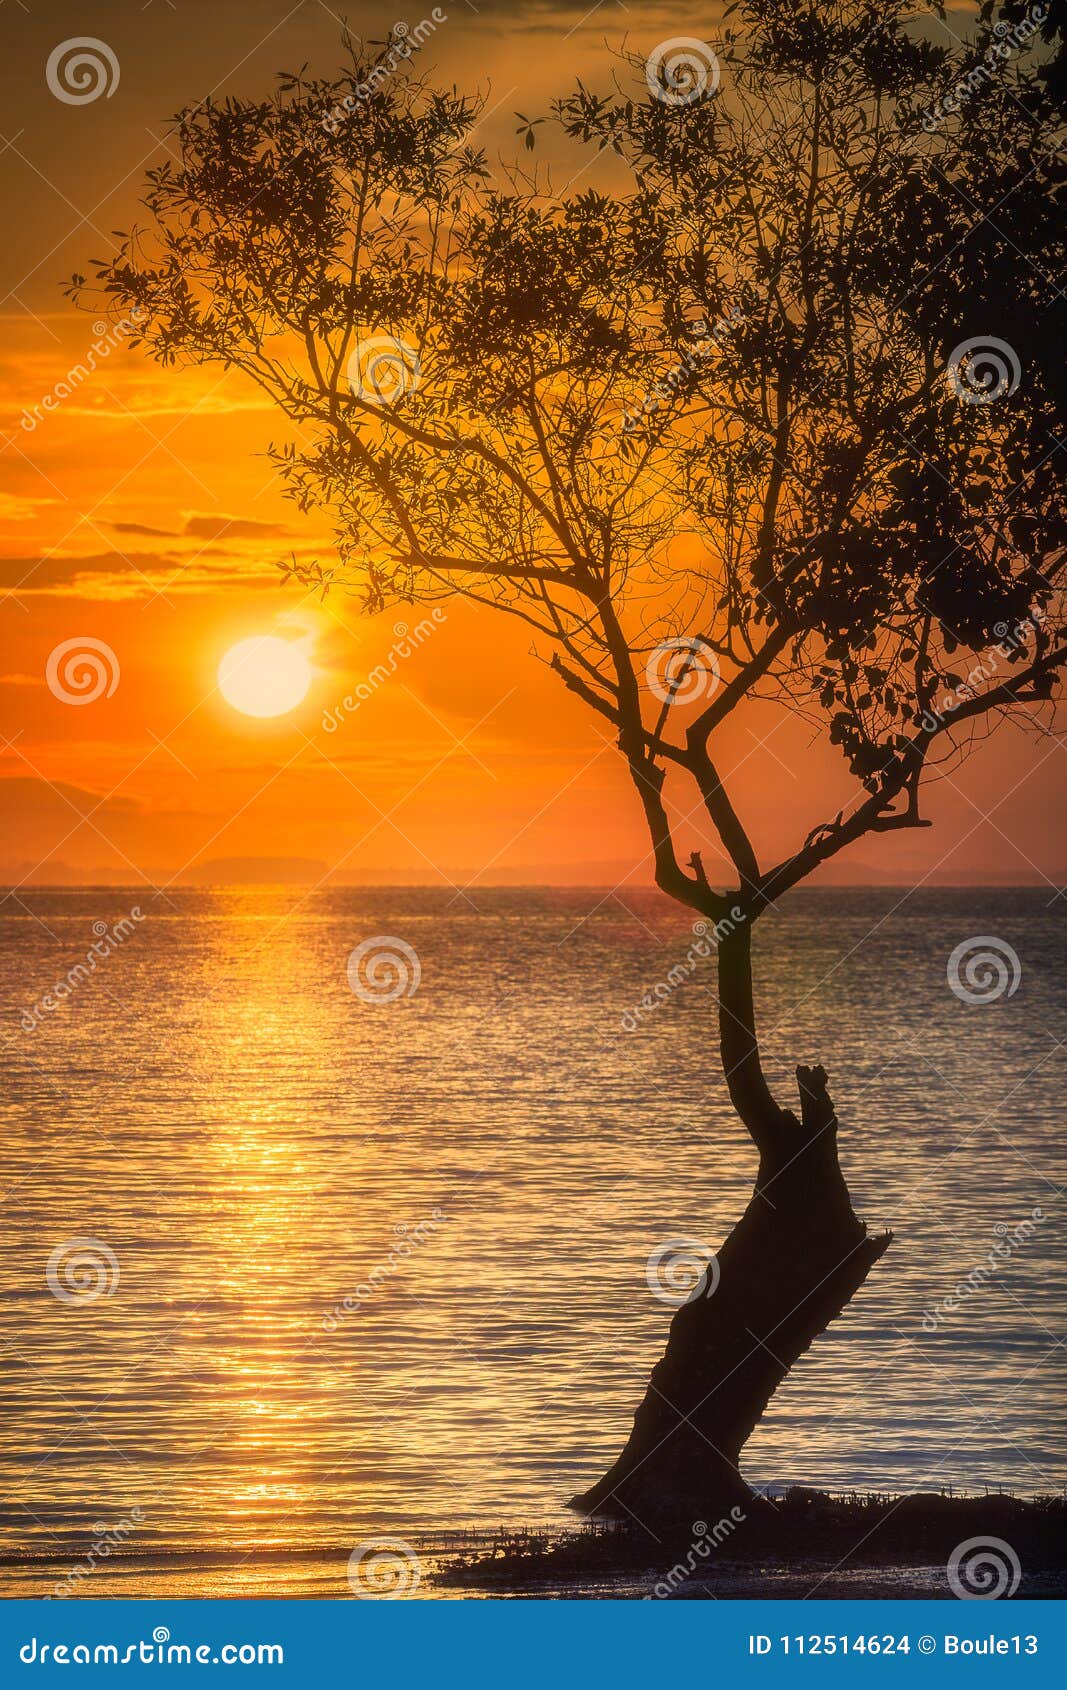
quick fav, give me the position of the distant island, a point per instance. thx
(255, 871)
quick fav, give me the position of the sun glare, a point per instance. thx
(264, 676)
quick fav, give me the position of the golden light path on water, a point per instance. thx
(482, 1169)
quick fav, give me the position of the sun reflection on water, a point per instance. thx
(248, 1136)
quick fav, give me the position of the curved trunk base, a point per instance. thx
(791, 1265)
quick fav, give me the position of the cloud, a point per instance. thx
(35, 799)
(199, 526)
(15, 508)
(142, 528)
(112, 576)
(222, 527)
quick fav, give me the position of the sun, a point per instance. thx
(264, 676)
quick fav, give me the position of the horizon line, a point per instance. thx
(8, 889)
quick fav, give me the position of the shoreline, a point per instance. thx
(807, 1544)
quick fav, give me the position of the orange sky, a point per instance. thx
(140, 512)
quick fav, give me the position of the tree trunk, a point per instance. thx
(791, 1264)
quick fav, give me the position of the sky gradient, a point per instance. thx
(137, 510)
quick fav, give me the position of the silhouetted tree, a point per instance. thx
(780, 418)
